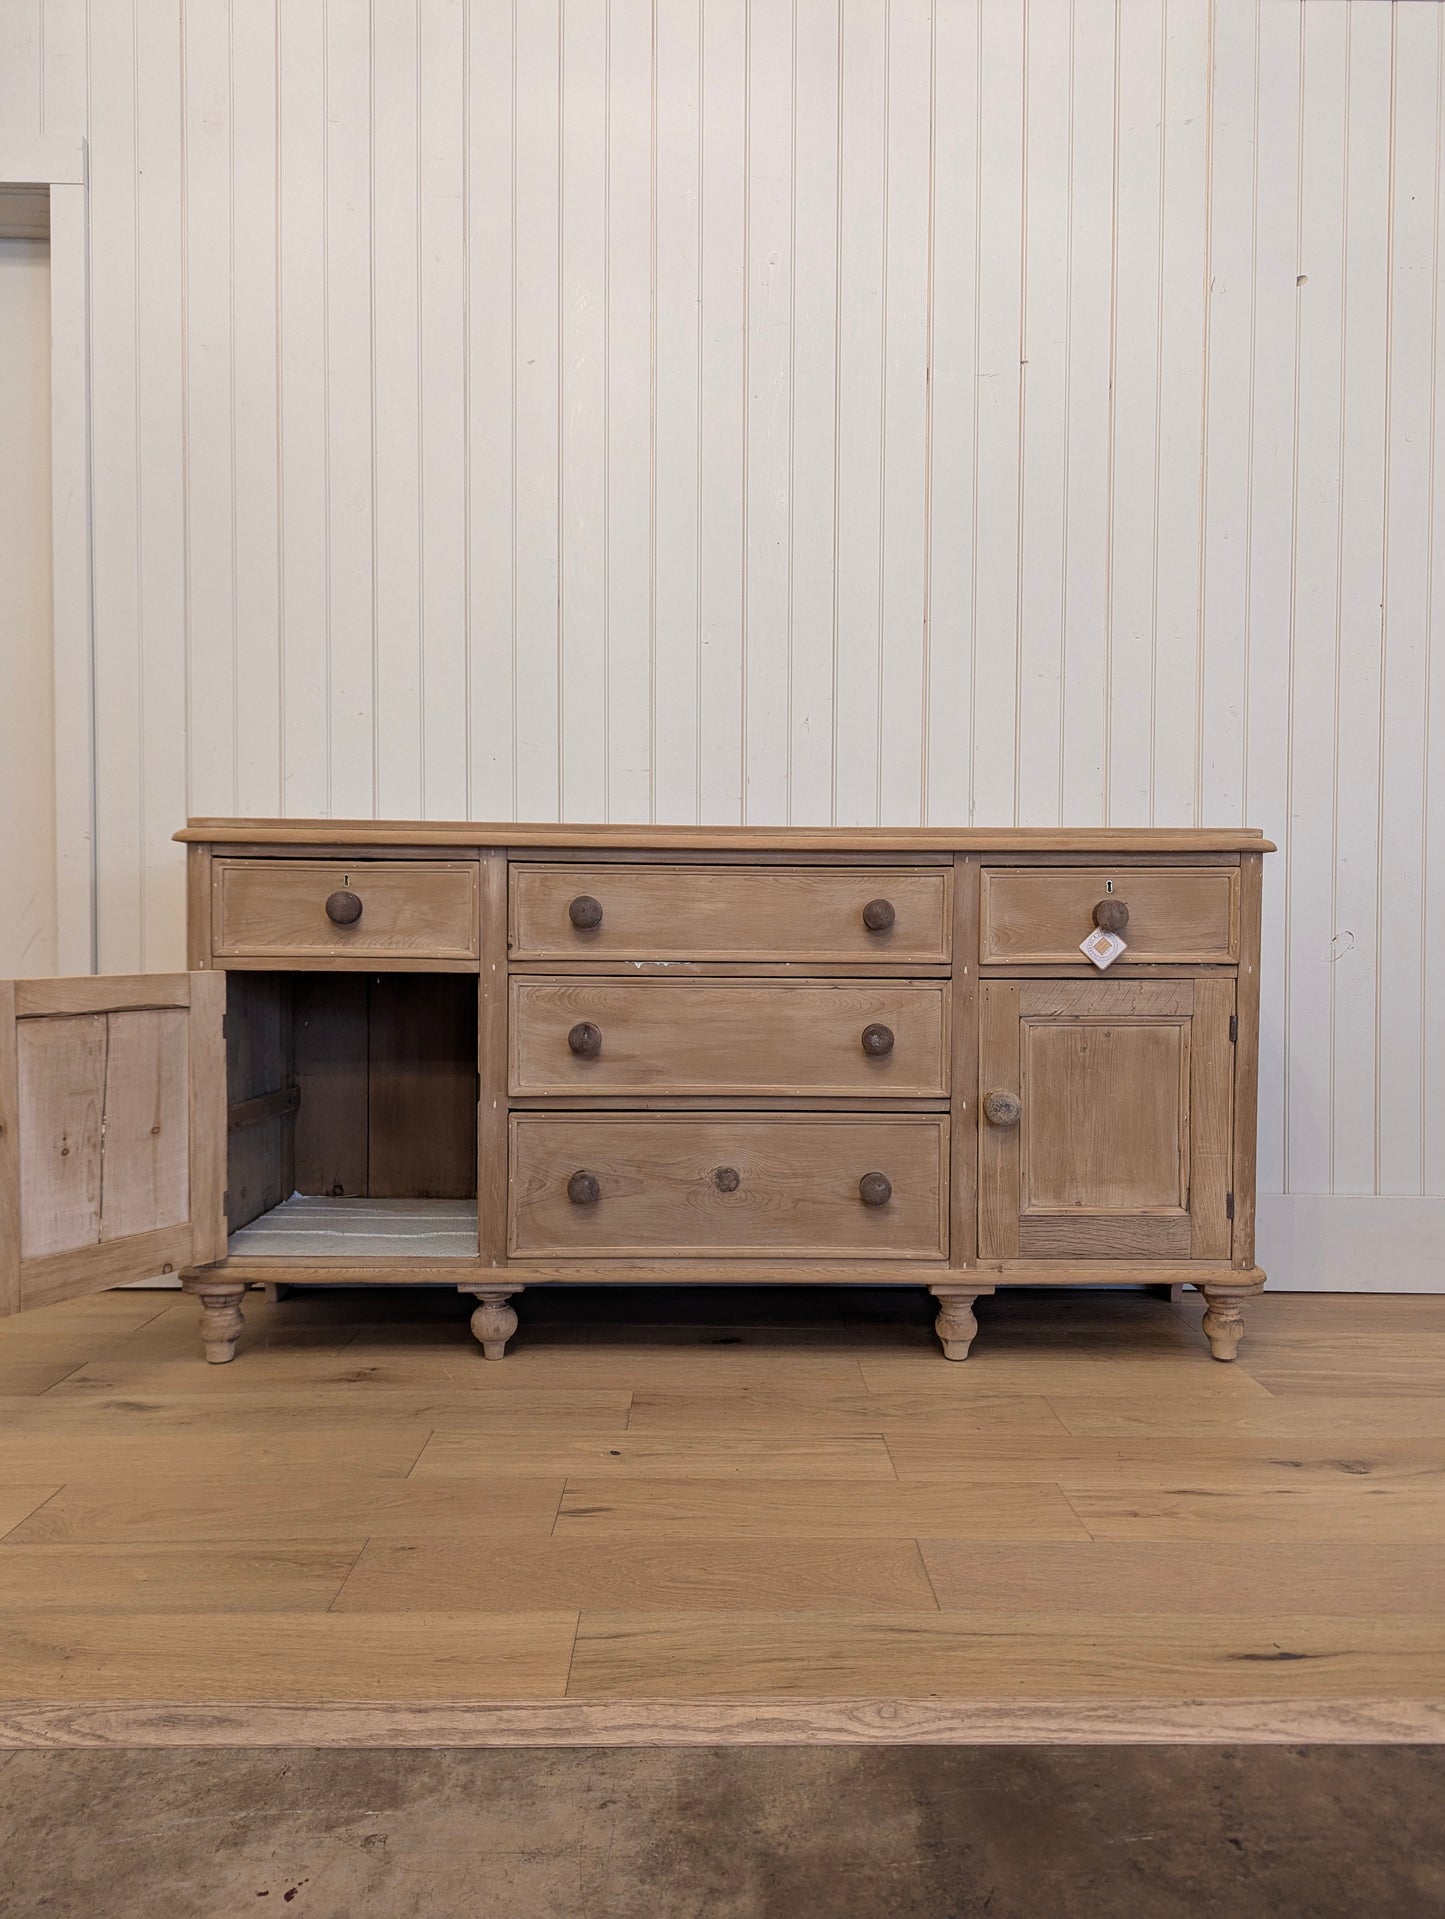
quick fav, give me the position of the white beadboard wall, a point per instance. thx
(982, 411)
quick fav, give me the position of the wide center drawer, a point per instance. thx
(763, 1038)
(771, 913)
(1038, 915)
(315, 909)
(680, 1186)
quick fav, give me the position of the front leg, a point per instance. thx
(222, 1321)
(1223, 1322)
(956, 1323)
(493, 1322)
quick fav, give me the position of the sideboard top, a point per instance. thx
(729, 839)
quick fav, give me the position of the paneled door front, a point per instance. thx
(112, 1132)
(1105, 1119)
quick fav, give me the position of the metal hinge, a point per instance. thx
(1229, 1205)
(1234, 1029)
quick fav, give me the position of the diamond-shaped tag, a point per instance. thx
(1103, 948)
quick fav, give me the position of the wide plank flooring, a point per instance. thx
(698, 1496)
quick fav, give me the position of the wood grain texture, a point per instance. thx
(757, 1722)
(798, 1192)
(10, 1215)
(1087, 1519)
(61, 1109)
(729, 913)
(773, 1039)
(1039, 915)
(49, 1654)
(276, 909)
(226, 829)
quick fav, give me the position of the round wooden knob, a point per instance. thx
(1111, 916)
(877, 1040)
(878, 915)
(343, 908)
(1003, 1109)
(585, 1039)
(727, 1179)
(585, 912)
(875, 1189)
(583, 1189)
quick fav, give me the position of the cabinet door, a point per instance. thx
(1104, 1121)
(112, 1132)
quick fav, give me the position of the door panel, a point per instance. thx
(1121, 1145)
(112, 1132)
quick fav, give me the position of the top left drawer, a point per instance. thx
(371, 910)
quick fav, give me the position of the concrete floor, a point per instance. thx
(822, 1833)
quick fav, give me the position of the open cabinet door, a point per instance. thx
(112, 1132)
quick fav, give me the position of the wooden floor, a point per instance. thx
(765, 1502)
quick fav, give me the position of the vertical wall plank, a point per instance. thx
(948, 720)
(490, 402)
(861, 400)
(1084, 719)
(630, 348)
(350, 413)
(1184, 263)
(162, 507)
(1044, 408)
(813, 368)
(997, 377)
(1268, 565)
(582, 701)
(722, 408)
(396, 293)
(301, 329)
(905, 413)
(210, 572)
(1356, 754)
(677, 408)
(1133, 473)
(1399, 912)
(536, 401)
(1319, 452)
(115, 524)
(445, 668)
(256, 534)
(767, 663)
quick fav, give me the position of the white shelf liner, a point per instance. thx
(312, 1227)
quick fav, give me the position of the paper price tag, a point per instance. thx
(1103, 948)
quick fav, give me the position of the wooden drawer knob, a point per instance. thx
(875, 1189)
(585, 1039)
(1002, 1109)
(343, 908)
(727, 1179)
(585, 912)
(878, 915)
(877, 1040)
(583, 1189)
(1111, 916)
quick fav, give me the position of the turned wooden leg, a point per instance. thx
(221, 1318)
(1223, 1322)
(956, 1323)
(493, 1322)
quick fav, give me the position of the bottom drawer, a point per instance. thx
(684, 1186)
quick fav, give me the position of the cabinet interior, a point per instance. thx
(352, 1123)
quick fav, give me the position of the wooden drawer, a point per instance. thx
(683, 1187)
(779, 913)
(762, 1038)
(1037, 915)
(413, 910)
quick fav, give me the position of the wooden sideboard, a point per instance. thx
(500, 1057)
